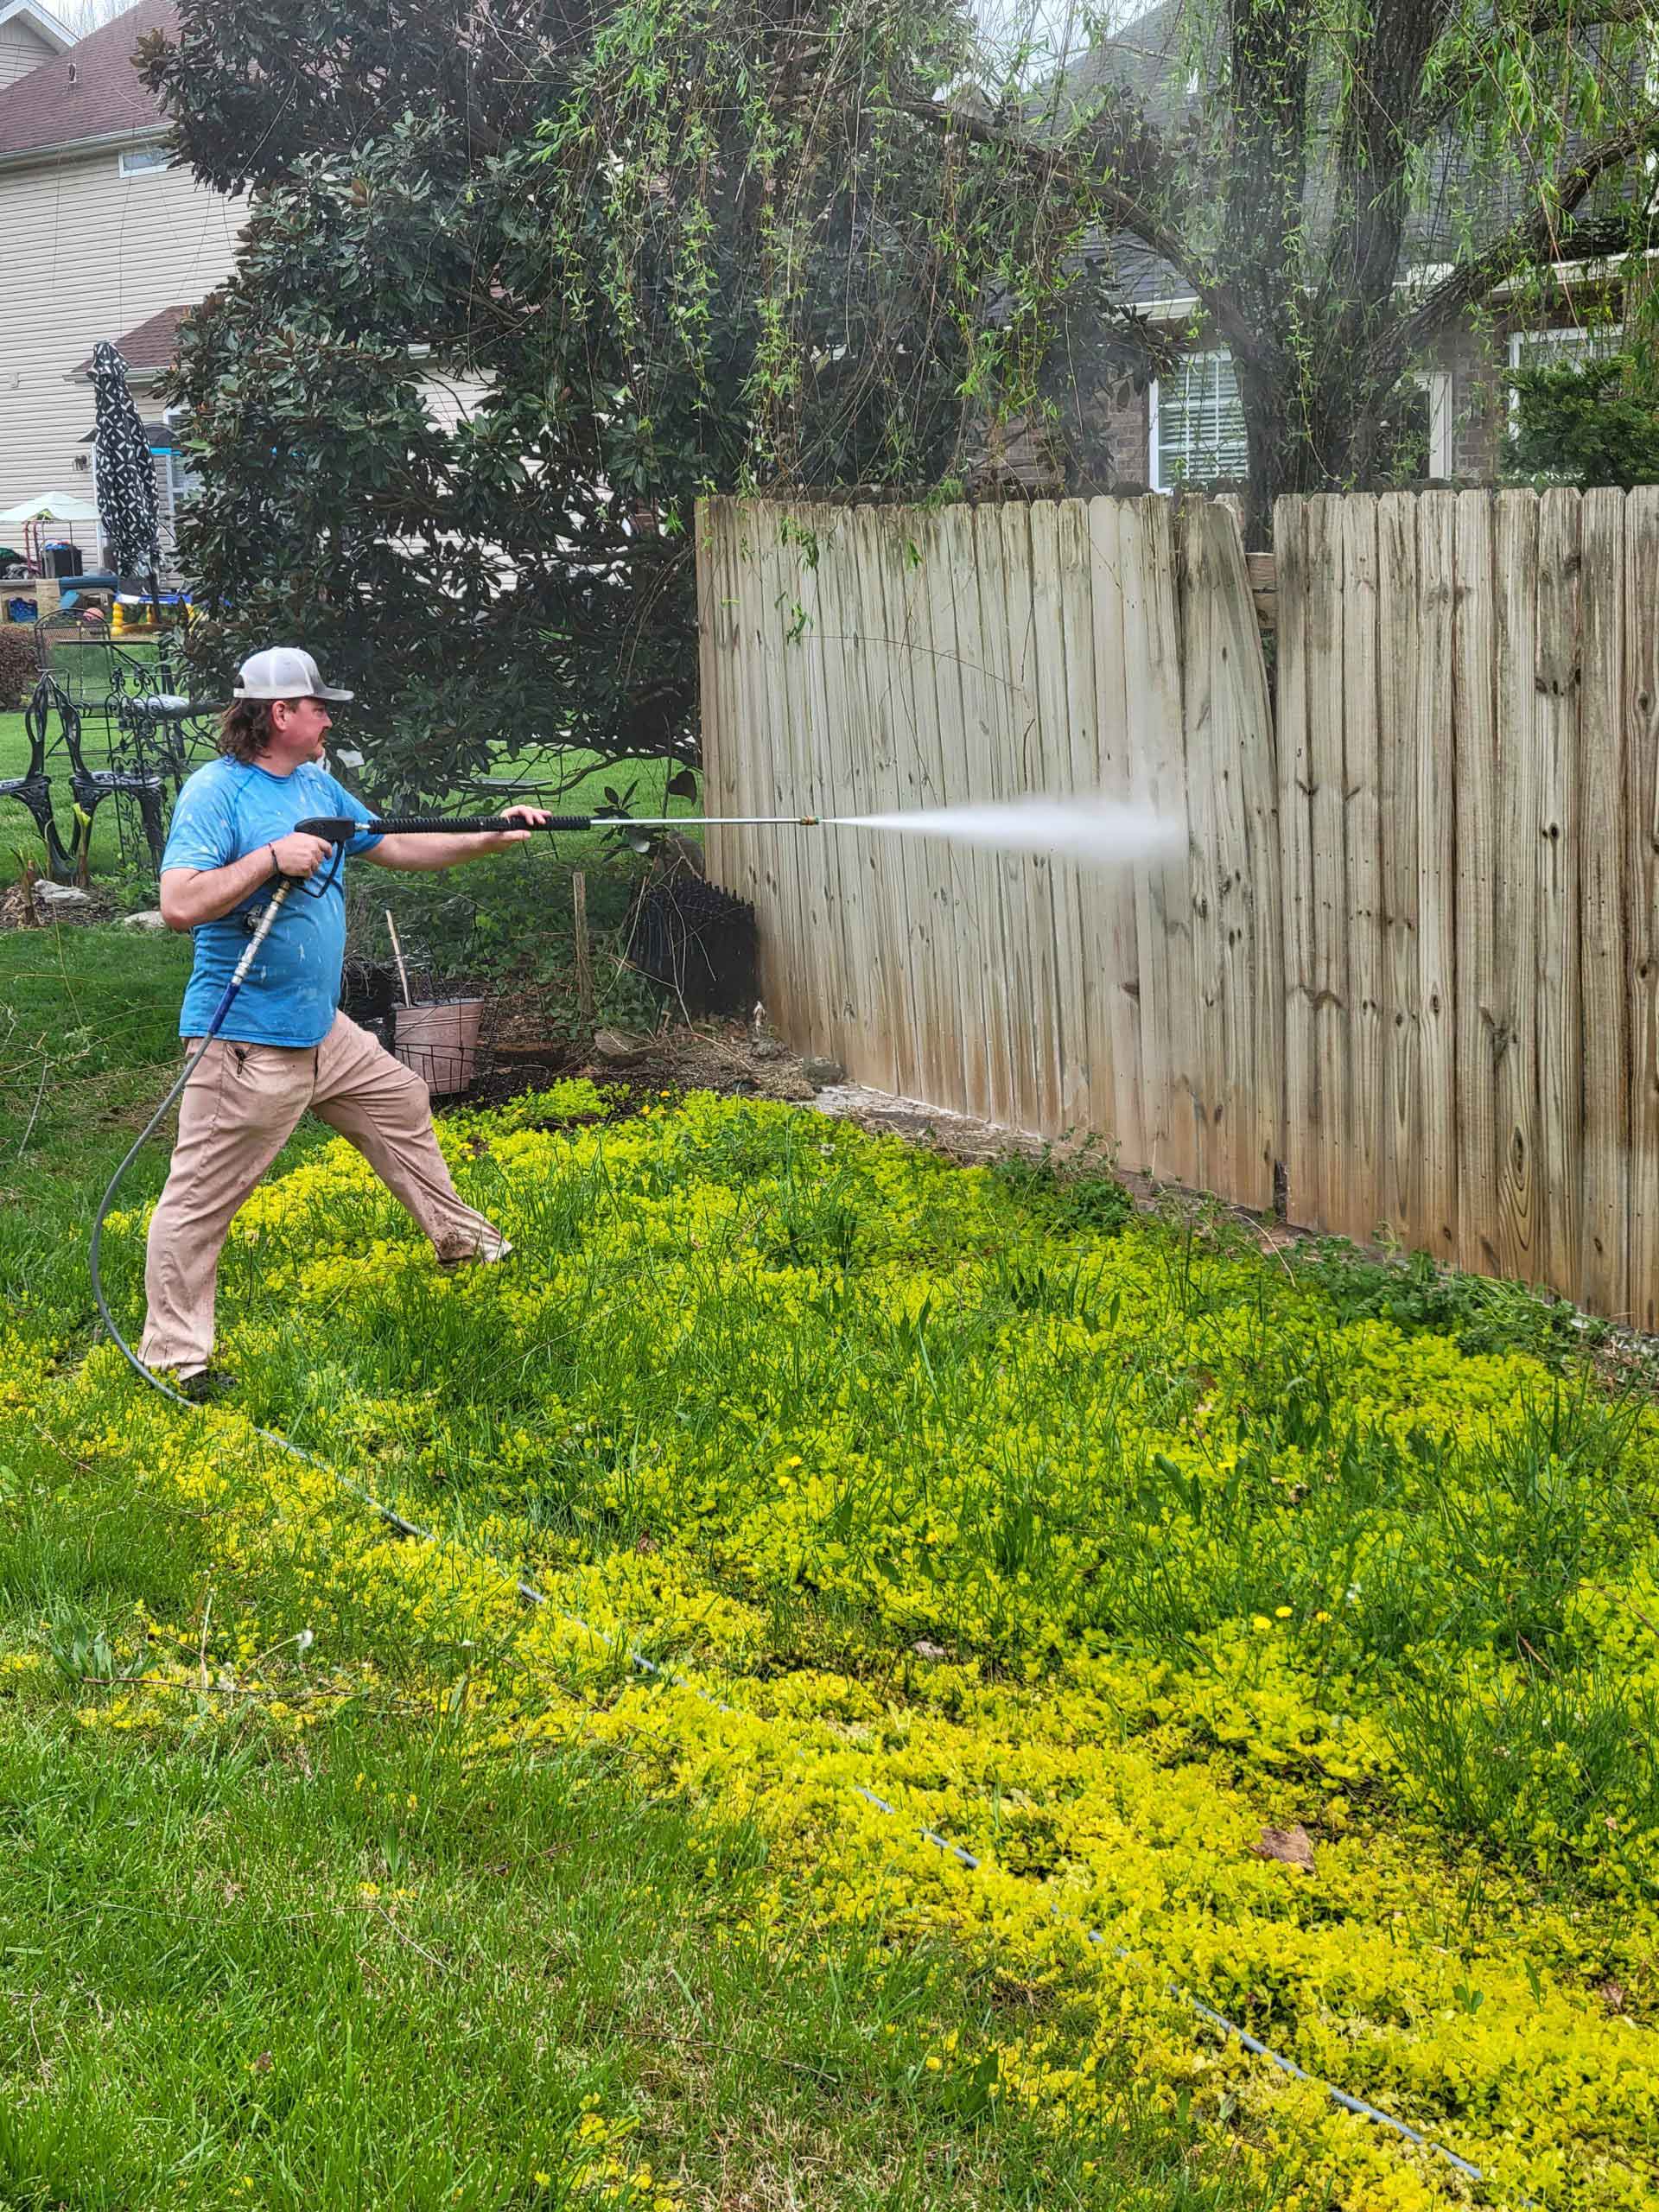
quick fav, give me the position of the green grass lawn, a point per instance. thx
(373, 1962)
(1291, 1625)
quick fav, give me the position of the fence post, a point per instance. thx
(584, 952)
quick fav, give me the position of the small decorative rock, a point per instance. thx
(823, 1073)
(55, 900)
(149, 919)
(619, 1044)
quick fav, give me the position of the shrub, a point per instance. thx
(18, 669)
(1584, 425)
(1478, 1313)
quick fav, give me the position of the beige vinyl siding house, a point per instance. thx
(100, 235)
(103, 240)
(95, 246)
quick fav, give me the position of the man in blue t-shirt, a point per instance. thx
(285, 1045)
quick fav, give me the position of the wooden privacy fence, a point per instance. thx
(1469, 722)
(859, 660)
(1410, 955)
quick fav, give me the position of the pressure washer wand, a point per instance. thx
(337, 828)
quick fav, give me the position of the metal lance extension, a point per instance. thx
(337, 828)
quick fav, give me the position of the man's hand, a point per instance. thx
(499, 839)
(299, 856)
(191, 896)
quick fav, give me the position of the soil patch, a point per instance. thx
(15, 912)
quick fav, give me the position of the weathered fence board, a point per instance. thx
(1603, 961)
(1478, 1035)
(1642, 895)
(1428, 1121)
(1410, 960)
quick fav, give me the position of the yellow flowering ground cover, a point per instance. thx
(1308, 1658)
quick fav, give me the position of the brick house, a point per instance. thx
(1115, 430)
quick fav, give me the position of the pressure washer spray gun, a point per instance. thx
(337, 830)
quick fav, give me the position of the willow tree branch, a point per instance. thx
(1555, 18)
(1543, 235)
(1121, 208)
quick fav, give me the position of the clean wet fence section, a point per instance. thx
(1407, 957)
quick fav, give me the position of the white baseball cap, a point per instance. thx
(282, 673)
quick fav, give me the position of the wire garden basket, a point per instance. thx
(445, 1029)
(696, 939)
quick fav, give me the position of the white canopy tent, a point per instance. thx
(65, 510)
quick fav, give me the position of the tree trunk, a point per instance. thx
(1292, 451)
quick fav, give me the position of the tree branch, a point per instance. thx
(1552, 17)
(1536, 238)
(1124, 211)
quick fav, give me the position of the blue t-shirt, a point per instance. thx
(228, 810)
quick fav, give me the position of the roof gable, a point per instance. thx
(29, 16)
(147, 349)
(91, 91)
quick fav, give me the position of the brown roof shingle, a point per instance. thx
(44, 109)
(148, 345)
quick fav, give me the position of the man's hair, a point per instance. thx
(245, 729)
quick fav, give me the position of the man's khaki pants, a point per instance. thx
(238, 1109)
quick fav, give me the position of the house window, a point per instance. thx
(1566, 347)
(1198, 423)
(140, 160)
(1569, 345)
(176, 482)
(1437, 384)
(1415, 441)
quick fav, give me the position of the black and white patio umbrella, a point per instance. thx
(126, 473)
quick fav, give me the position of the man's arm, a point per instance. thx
(441, 848)
(191, 895)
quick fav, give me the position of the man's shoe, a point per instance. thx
(207, 1386)
(476, 1259)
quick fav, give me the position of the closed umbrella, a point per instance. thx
(126, 473)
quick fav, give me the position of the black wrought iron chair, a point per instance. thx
(88, 787)
(34, 788)
(92, 787)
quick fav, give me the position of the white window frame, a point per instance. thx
(137, 161)
(1437, 382)
(178, 467)
(1154, 474)
(1567, 338)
